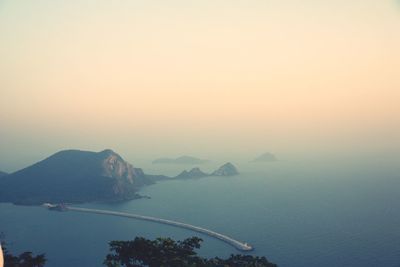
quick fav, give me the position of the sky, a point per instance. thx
(210, 78)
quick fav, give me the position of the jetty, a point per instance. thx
(242, 246)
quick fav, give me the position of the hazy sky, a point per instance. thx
(207, 78)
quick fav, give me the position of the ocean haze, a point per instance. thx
(199, 78)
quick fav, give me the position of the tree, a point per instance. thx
(25, 259)
(166, 252)
(158, 252)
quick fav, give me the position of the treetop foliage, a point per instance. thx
(165, 252)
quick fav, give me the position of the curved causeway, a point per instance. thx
(236, 244)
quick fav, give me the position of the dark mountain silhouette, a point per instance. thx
(266, 157)
(74, 176)
(3, 173)
(180, 160)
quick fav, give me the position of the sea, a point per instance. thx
(294, 213)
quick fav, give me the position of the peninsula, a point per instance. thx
(75, 176)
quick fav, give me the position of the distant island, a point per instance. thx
(266, 157)
(228, 169)
(180, 160)
(75, 176)
(193, 173)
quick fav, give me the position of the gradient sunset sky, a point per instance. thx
(205, 78)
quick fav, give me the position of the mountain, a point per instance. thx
(228, 169)
(180, 160)
(3, 174)
(74, 176)
(266, 157)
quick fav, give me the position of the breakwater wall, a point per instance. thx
(235, 243)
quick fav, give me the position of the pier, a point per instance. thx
(235, 243)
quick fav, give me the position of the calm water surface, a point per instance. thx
(322, 215)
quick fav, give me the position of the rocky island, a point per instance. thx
(193, 173)
(228, 169)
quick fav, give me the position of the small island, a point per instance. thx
(266, 157)
(188, 160)
(228, 169)
(193, 173)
